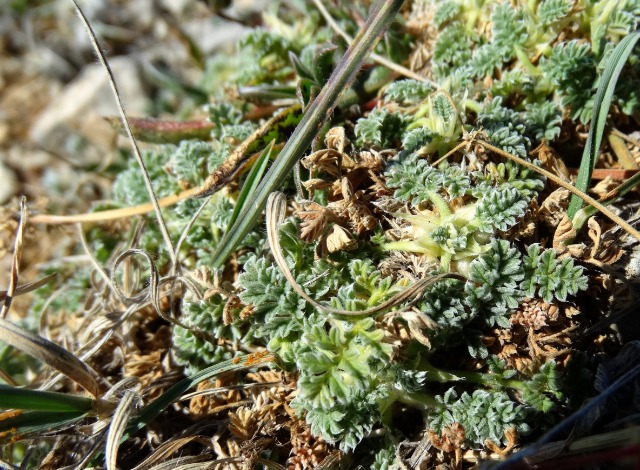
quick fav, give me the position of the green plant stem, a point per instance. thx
(423, 401)
(479, 378)
(440, 204)
(381, 16)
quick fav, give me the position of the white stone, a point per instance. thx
(80, 106)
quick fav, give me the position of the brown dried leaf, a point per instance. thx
(418, 322)
(340, 240)
(512, 439)
(553, 208)
(452, 438)
(563, 233)
(346, 189)
(316, 184)
(360, 218)
(314, 221)
(371, 161)
(605, 186)
(551, 161)
(595, 233)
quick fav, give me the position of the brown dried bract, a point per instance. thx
(606, 248)
(336, 139)
(243, 423)
(554, 207)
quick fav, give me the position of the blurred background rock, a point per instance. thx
(55, 146)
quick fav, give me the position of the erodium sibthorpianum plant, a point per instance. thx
(395, 188)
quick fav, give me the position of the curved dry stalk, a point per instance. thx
(152, 293)
(187, 229)
(15, 261)
(275, 213)
(125, 122)
(94, 262)
(375, 57)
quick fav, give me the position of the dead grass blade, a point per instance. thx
(166, 449)
(52, 355)
(152, 292)
(94, 262)
(125, 122)
(117, 427)
(101, 216)
(275, 212)
(30, 287)
(15, 262)
(191, 462)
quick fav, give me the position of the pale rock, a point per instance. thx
(212, 34)
(80, 107)
(8, 182)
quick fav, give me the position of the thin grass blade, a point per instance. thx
(127, 127)
(251, 183)
(24, 399)
(382, 14)
(602, 103)
(29, 287)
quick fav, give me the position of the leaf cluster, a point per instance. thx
(502, 41)
(483, 414)
(381, 128)
(201, 342)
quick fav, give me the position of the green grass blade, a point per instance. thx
(382, 14)
(251, 183)
(602, 103)
(24, 399)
